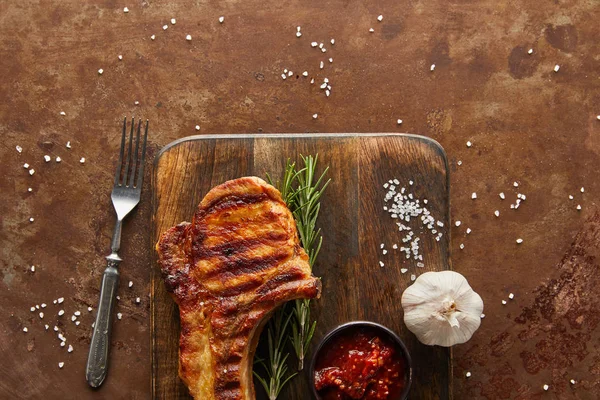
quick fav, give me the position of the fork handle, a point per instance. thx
(97, 364)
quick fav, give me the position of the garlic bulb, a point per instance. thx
(440, 308)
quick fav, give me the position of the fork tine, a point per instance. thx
(120, 163)
(141, 168)
(134, 163)
(126, 171)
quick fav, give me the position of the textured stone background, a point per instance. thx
(527, 124)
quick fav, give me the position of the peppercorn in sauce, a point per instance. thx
(360, 364)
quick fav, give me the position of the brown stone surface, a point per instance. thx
(527, 124)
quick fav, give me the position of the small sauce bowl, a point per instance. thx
(379, 343)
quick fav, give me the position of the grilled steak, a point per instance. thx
(238, 260)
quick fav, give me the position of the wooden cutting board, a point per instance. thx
(353, 224)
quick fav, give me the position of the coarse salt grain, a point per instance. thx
(77, 313)
(432, 68)
(197, 127)
(502, 196)
(504, 302)
(380, 18)
(530, 51)
(55, 328)
(457, 223)
(511, 296)
(29, 189)
(188, 37)
(60, 300)
(70, 349)
(413, 277)
(519, 241)
(403, 270)
(63, 113)
(73, 318)
(469, 144)
(482, 316)
(332, 41)
(165, 27)
(384, 252)
(497, 213)
(473, 195)
(582, 189)
(46, 326)
(399, 122)
(173, 21)
(381, 264)
(32, 309)
(130, 284)
(137, 103)
(556, 68)
(120, 57)
(90, 309)
(468, 374)
(77, 323)
(330, 59)
(546, 387)
(61, 312)
(315, 116)
(68, 145)
(25, 165)
(321, 65)
(462, 246)
(82, 160)
(578, 206)
(41, 314)
(459, 162)
(138, 300)
(100, 71)
(119, 315)
(47, 158)
(305, 73)
(33, 266)
(572, 381)
(468, 231)
(371, 30)
(570, 197)
(20, 149)
(298, 34)
(61, 364)
(25, 329)
(152, 37)
(125, 10)
(314, 44)
(221, 19)
(31, 171)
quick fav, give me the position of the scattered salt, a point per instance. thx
(469, 144)
(556, 68)
(47, 158)
(20, 149)
(468, 374)
(546, 387)
(119, 315)
(315, 116)
(173, 21)
(100, 71)
(473, 195)
(511, 296)
(61, 364)
(432, 68)
(188, 37)
(519, 241)
(380, 18)
(530, 51)
(125, 10)
(221, 19)
(399, 122)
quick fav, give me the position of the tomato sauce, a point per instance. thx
(360, 364)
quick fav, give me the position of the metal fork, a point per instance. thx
(125, 196)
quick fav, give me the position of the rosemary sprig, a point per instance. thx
(306, 207)
(276, 368)
(301, 194)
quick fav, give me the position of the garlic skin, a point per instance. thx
(441, 309)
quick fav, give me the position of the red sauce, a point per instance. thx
(360, 364)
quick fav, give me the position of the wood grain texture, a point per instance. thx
(354, 225)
